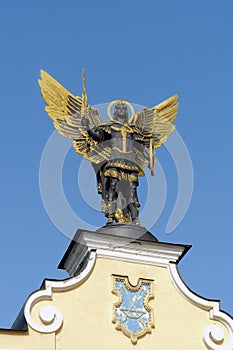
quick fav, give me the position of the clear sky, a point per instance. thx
(142, 52)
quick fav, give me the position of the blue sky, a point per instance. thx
(141, 52)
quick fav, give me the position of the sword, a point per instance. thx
(132, 304)
(84, 92)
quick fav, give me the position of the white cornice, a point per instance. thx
(126, 249)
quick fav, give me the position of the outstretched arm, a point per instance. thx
(96, 135)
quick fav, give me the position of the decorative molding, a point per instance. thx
(218, 335)
(126, 249)
(213, 335)
(136, 308)
(50, 316)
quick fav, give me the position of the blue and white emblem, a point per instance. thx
(132, 314)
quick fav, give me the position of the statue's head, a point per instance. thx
(120, 112)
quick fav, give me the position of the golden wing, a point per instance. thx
(157, 121)
(66, 111)
(156, 124)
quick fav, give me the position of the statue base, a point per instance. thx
(106, 239)
(136, 232)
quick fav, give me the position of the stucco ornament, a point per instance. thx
(132, 313)
(50, 317)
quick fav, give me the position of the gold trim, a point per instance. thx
(123, 152)
(123, 134)
(121, 165)
(121, 175)
(129, 130)
(150, 295)
(106, 128)
(110, 219)
(151, 157)
(100, 189)
(119, 215)
(108, 207)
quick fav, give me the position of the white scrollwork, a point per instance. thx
(213, 335)
(49, 315)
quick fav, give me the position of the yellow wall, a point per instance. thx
(11, 340)
(88, 311)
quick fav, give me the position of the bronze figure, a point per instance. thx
(118, 149)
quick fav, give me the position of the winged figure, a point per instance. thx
(118, 149)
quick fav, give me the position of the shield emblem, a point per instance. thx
(132, 313)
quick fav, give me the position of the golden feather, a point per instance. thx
(156, 124)
(66, 111)
(60, 102)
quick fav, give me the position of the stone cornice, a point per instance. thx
(126, 249)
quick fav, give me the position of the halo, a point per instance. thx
(121, 101)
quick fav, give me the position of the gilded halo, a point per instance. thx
(120, 101)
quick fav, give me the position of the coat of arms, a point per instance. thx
(132, 313)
